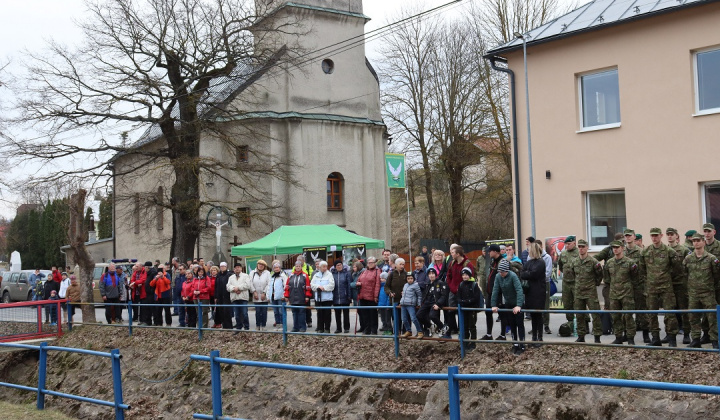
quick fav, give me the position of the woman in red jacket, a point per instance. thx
(214, 270)
(201, 291)
(188, 287)
(137, 285)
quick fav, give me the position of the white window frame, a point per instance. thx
(696, 84)
(588, 224)
(580, 101)
(703, 203)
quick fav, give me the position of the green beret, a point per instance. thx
(655, 231)
(628, 232)
(671, 230)
(582, 242)
(616, 244)
(708, 226)
(697, 235)
(638, 236)
(690, 232)
(570, 238)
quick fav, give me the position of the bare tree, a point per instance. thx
(171, 66)
(499, 20)
(77, 233)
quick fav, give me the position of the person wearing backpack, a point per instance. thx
(508, 293)
(469, 295)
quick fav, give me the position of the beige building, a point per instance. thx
(625, 118)
(322, 114)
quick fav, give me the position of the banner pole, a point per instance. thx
(407, 201)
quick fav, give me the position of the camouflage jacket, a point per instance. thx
(605, 254)
(620, 274)
(588, 274)
(565, 263)
(703, 272)
(658, 263)
(678, 275)
(635, 255)
(713, 248)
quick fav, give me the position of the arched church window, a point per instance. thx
(328, 66)
(335, 186)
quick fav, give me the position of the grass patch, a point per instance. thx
(29, 412)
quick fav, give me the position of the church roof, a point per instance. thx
(596, 14)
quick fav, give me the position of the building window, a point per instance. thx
(707, 81)
(243, 216)
(600, 99)
(334, 191)
(605, 216)
(242, 154)
(711, 205)
(328, 66)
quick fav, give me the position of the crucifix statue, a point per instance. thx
(222, 218)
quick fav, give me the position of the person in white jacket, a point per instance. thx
(322, 284)
(240, 287)
(260, 278)
(276, 292)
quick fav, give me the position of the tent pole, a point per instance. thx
(407, 201)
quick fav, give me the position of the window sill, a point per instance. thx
(707, 112)
(334, 209)
(599, 127)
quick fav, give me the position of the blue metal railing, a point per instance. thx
(42, 391)
(396, 323)
(453, 377)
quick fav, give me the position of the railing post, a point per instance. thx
(284, 322)
(454, 393)
(58, 317)
(717, 320)
(69, 315)
(215, 384)
(130, 316)
(42, 376)
(199, 320)
(117, 384)
(39, 318)
(461, 332)
(396, 329)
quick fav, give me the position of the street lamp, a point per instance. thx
(524, 38)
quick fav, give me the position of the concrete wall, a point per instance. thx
(661, 153)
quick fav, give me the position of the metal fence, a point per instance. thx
(42, 391)
(453, 378)
(285, 332)
(26, 320)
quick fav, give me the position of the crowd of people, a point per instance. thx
(631, 276)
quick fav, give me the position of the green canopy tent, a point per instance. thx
(292, 240)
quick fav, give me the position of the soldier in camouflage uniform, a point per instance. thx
(657, 263)
(604, 256)
(565, 261)
(633, 252)
(712, 246)
(679, 279)
(688, 239)
(703, 271)
(619, 274)
(588, 274)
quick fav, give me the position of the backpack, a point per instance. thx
(39, 288)
(565, 330)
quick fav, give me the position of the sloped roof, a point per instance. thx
(595, 15)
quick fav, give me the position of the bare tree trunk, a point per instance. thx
(77, 233)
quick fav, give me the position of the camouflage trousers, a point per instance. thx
(623, 323)
(568, 298)
(705, 324)
(662, 297)
(681, 302)
(641, 320)
(703, 301)
(592, 304)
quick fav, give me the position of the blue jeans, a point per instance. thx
(299, 320)
(177, 301)
(408, 314)
(261, 314)
(181, 316)
(277, 312)
(241, 315)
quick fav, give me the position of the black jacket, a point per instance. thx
(534, 273)
(150, 290)
(436, 294)
(469, 295)
(221, 293)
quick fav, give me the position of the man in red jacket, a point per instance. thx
(137, 287)
(454, 278)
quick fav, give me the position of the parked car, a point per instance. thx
(16, 286)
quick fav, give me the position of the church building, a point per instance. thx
(316, 117)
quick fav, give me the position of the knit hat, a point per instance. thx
(72, 277)
(336, 262)
(433, 270)
(494, 247)
(466, 271)
(504, 266)
(148, 263)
